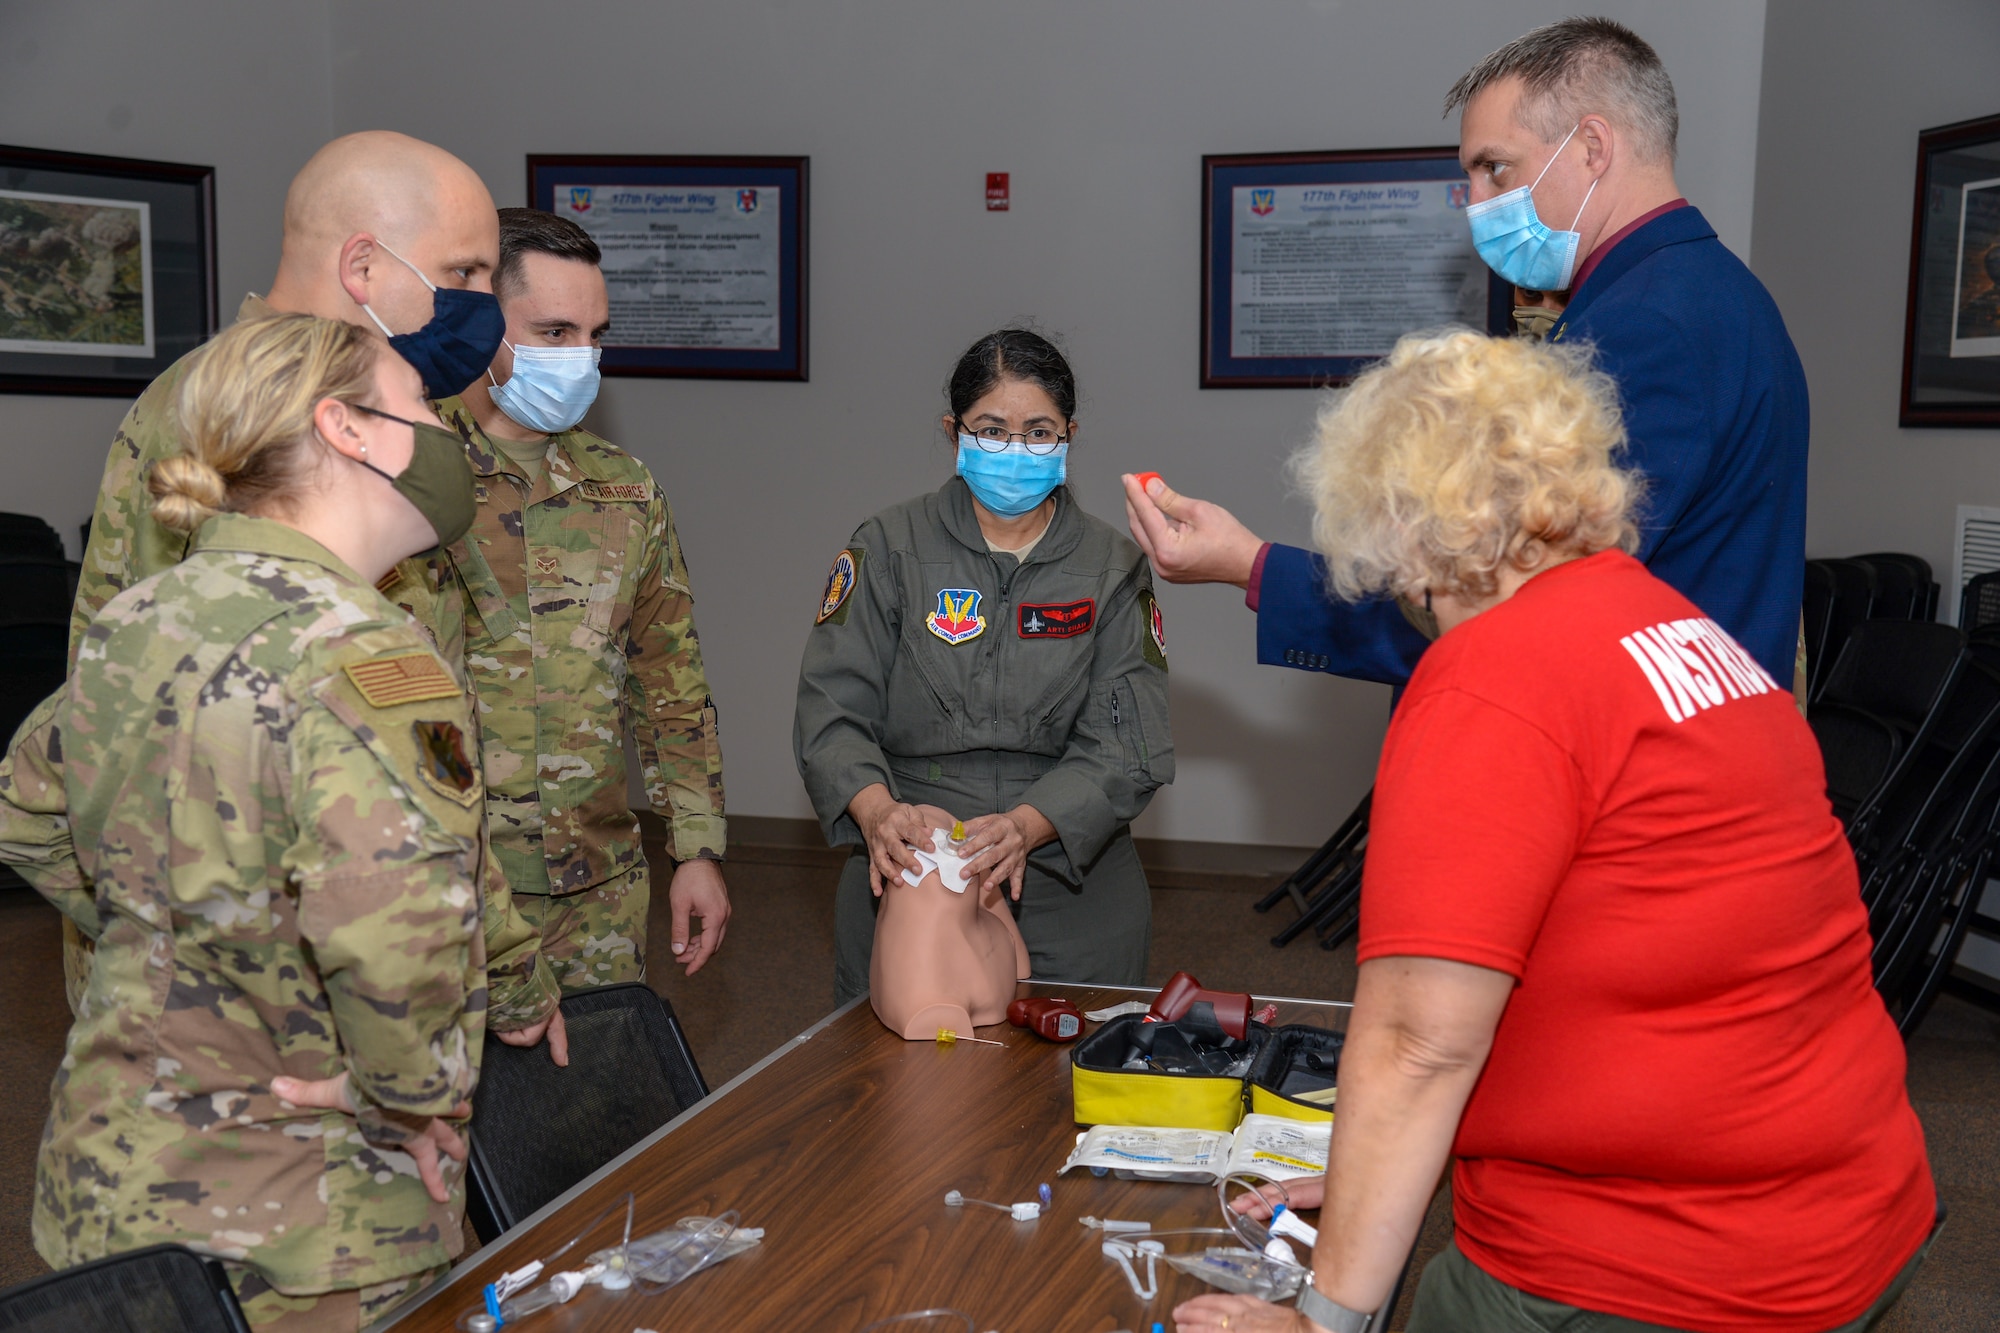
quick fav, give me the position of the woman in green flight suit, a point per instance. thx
(992, 650)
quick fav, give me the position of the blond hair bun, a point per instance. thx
(187, 491)
(245, 410)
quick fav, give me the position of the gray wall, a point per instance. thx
(1847, 86)
(1101, 111)
(241, 86)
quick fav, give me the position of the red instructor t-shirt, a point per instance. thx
(1694, 1111)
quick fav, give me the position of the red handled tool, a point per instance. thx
(1058, 1020)
(1182, 992)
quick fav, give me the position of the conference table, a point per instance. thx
(841, 1145)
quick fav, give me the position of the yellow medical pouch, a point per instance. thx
(1294, 1060)
(1108, 1094)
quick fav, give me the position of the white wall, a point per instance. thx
(1847, 86)
(1101, 109)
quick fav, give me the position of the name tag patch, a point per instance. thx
(617, 490)
(404, 678)
(1056, 620)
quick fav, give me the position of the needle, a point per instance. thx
(946, 1037)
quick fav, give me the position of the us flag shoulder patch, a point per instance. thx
(1056, 620)
(402, 678)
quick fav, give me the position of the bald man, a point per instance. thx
(383, 231)
(373, 223)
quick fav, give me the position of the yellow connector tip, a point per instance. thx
(958, 830)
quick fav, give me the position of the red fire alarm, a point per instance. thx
(996, 192)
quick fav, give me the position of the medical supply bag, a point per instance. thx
(1294, 1073)
(1186, 1074)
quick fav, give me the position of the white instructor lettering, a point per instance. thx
(1693, 665)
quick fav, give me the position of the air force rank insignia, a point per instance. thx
(957, 616)
(1053, 620)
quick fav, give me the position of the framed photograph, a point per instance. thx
(705, 258)
(1951, 336)
(1313, 264)
(107, 270)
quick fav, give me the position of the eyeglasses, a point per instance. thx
(994, 439)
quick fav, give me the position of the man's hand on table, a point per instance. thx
(1188, 541)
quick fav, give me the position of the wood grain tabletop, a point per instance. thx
(842, 1145)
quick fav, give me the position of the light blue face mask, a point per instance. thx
(551, 387)
(1514, 241)
(1013, 481)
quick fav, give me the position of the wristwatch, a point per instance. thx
(1331, 1315)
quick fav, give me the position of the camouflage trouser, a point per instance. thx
(330, 1312)
(594, 937)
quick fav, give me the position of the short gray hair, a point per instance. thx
(1579, 66)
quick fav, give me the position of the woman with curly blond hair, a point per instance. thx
(1613, 956)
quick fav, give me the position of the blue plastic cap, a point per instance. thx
(1045, 1194)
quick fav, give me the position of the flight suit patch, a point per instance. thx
(442, 761)
(616, 490)
(840, 582)
(1056, 620)
(402, 678)
(957, 617)
(1155, 645)
(546, 564)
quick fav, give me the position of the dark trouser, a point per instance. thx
(1098, 932)
(1458, 1296)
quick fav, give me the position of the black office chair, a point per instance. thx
(1323, 885)
(1853, 602)
(1859, 751)
(537, 1129)
(1902, 586)
(1979, 604)
(160, 1289)
(1924, 603)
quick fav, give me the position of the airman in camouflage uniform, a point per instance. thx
(580, 624)
(270, 776)
(127, 544)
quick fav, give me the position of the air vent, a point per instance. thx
(1976, 550)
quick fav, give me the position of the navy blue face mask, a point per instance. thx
(458, 343)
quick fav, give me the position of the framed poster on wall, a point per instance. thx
(107, 270)
(1313, 264)
(705, 259)
(1951, 332)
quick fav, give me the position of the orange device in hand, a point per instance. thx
(1145, 477)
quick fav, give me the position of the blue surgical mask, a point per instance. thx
(458, 343)
(1514, 241)
(551, 387)
(1013, 481)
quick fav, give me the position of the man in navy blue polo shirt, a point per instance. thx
(1581, 113)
